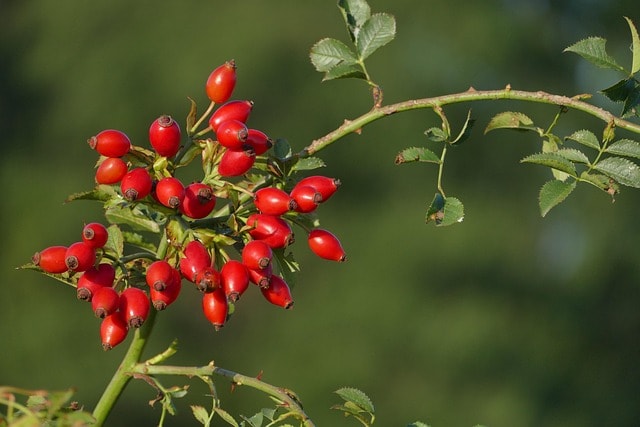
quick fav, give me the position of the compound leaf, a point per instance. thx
(593, 49)
(553, 193)
(379, 30)
(620, 170)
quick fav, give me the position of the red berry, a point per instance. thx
(198, 201)
(259, 141)
(234, 278)
(256, 255)
(95, 234)
(170, 192)
(164, 135)
(207, 279)
(324, 185)
(307, 198)
(93, 279)
(221, 82)
(51, 259)
(278, 292)
(196, 258)
(113, 330)
(159, 275)
(136, 184)
(326, 245)
(273, 201)
(215, 307)
(105, 301)
(231, 110)
(134, 305)
(236, 163)
(110, 143)
(272, 230)
(80, 256)
(232, 134)
(162, 299)
(111, 170)
(261, 277)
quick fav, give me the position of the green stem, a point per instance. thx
(441, 170)
(470, 95)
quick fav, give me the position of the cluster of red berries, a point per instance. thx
(123, 301)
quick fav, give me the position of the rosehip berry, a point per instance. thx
(113, 330)
(231, 110)
(110, 143)
(159, 275)
(215, 307)
(105, 301)
(236, 163)
(307, 198)
(164, 135)
(278, 292)
(198, 201)
(196, 258)
(221, 82)
(51, 259)
(262, 277)
(95, 234)
(80, 256)
(111, 170)
(272, 230)
(259, 141)
(273, 201)
(170, 192)
(326, 245)
(93, 279)
(134, 305)
(256, 255)
(162, 299)
(136, 184)
(232, 134)
(207, 279)
(234, 278)
(324, 185)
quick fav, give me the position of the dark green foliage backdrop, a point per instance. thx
(507, 320)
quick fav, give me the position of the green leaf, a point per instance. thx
(328, 52)
(625, 147)
(132, 216)
(621, 170)
(635, 46)
(115, 241)
(573, 155)
(308, 163)
(138, 240)
(445, 211)
(602, 181)
(344, 71)
(593, 49)
(101, 193)
(355, 14)
(620, 91)
(553, 193)
(585, 137)
(255, 420)
(632, 102)
(416, 154)
(436, 134)
(552, 160)
(379, 30)
(349, 394)
(465, 132)
(511, 120)
(191, 116)
(281, 149)
(226, 416)
(200, 414)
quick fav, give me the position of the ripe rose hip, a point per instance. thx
(278, 292)
(199, 200)
(256, 255)
(207, 279)
(307, 198)
(162, 299)
(93, 279)
(261, 277)
(259, 141)
(230, 110)
(234, 278)
(272, 230)
(324, 185)
(326, 245)
(80, 256)
(159, 275)
(221, 82)
(232, 134)
(215, 307)
(195, 258)
(164, 136)
(136, 184)
(273, 201)
(95, 234)
(236, 163)
(113, 330)
(134, 305)
(111, 171)
(51, 259)
(170, 192)
(110, 143)
(105, 301)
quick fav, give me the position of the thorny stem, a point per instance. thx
(470, 95)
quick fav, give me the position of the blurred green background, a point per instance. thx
(508, 319)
